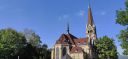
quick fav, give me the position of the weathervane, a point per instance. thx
(68, 27)
(89, 4)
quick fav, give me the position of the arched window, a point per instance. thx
(64, 51)
(90, 31)
(57, 53)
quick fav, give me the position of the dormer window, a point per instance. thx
(65, 40)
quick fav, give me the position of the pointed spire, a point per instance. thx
(90, 17)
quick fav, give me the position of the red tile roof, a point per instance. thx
(81, 40)
(76, 50)
(71, 39)
(66, 39)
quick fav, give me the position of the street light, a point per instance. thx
(18, 57)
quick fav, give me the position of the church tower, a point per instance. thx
(90, 27)
(69, 46)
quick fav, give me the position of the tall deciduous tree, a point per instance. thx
(32, 37)
(43, 52)
(106, 48)
(10, 41)
(14, 44)
(122, 19)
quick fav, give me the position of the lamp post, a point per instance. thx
(18, 57)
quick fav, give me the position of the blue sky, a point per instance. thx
(48, 18)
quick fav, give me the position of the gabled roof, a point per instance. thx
(66, 39)
(71, 39)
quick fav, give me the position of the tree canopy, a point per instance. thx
(14, 44)
(122, 15)
(9, 41)
(106, 48)
(32, 37)
(122, 19)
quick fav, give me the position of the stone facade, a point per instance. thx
(70, 47)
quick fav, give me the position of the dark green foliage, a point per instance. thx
(122, 16)
(32, 37)
(124, 39)
(122, 19)
(9, 41)
(27, 52)
(14, 44)
(106, 48)
(44, 52)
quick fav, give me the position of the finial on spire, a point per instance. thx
(89, 4)
(68, 28)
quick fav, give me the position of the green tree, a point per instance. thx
(34, 50)
(106, 48)
(122, 19)
(25, 45)
(43, 52)
(32, 37)
(27, 52)
(10, 41)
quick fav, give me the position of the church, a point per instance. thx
(69, 46)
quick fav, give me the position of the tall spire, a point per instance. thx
(90, 27)
(90, 17)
